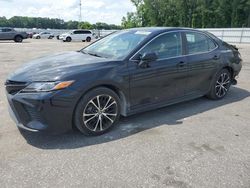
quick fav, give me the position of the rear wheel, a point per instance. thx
(18, 39)
(68, 39)
(97, 112)
(88, 39)
(220, 85)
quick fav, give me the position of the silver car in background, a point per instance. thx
(12, 34)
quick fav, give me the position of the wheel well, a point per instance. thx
(120, 95)
(230, 69)
(19, 36)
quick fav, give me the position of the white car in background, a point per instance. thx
(43, 35)
(77, 35)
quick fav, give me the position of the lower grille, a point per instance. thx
(14, 87)
(34, 114)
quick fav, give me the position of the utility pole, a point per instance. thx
(80, 16)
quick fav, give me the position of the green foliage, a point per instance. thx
(85, 25)
(189, 13)
(52, 23)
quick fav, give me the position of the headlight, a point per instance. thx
(47, 86)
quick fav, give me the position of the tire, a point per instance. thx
(68, 39)
(91, 118)
(88, 39)
(18, 38)
(221, 85)
(38, 37)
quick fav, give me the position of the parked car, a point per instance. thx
(125, 73)
(77, 35)
(12, 34)
(43, 35)
(30, 34)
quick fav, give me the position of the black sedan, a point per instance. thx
(125, 73)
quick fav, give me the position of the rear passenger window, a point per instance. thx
(6, 30)
(198, 43)
(87, 32)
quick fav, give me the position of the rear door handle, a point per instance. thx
(216, 57)
(182, 64)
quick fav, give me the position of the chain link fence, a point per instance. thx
(230, 35)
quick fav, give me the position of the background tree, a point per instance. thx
(189, 13)
(51, 23)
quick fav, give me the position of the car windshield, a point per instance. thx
(117, 45)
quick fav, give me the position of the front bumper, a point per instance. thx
(50, 112)
(61, 38)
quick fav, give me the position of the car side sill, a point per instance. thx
(145, 108)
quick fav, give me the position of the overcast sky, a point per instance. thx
(109, 11)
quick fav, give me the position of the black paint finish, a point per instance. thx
(161, 83)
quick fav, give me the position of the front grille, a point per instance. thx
(14, 87)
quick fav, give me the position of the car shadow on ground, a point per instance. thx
(168, 116)
(8, 42)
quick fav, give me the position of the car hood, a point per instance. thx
(55, 67)
(64, 34)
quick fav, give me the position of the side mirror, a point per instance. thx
(147, 58)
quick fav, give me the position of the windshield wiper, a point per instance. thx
(89, 53)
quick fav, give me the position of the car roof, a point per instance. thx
(161, 29)
(81, 30)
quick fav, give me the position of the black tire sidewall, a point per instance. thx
(78, 117)
(212, 93)
(88, 39)
(68, 39)
(18, 39)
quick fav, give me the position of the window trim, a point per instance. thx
(184, 45)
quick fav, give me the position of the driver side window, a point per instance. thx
(165, 46)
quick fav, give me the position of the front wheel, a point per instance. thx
(68, 39)
(88, 39)
(220, 85)
(18, 39)
(97, 112)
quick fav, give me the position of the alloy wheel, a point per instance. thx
(222, 85)
(100, 113)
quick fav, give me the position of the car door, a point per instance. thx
(83, 35)
(47, 35)
(203, 59)
(86, 34)
(43, 35)
(165, 79)
(76, 36)
(7, 34)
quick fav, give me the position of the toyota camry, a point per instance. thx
(125, 73)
